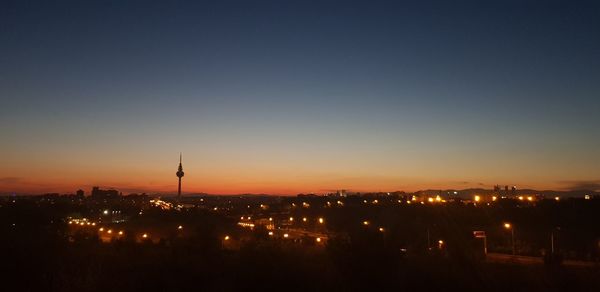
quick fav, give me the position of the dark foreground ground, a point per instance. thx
(40, 251)
(258, 266)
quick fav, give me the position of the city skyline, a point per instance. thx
(179, 191)
(299, 97)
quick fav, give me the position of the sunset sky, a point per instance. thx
(285, 97)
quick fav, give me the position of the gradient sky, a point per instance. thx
(298, 96)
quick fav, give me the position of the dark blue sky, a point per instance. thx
(315, 94)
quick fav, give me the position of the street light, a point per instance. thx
(512, 236)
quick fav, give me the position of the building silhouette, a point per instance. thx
(98, 193)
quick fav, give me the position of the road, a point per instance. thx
(528, 260)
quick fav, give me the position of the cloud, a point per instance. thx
(588, 185)
(9, 180)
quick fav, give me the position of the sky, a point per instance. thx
(287, 97)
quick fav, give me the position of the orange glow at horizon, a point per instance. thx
(214, 184)
(144, 172)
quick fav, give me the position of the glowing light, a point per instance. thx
(438, 198)
(101, 229)
(557, 198)
(270, 233)
(226, 237)
(145, 235)
(494, 198)
(318, 239)
(285, 235)
(477, 198)
(321, 220)
(430, 200)
(291, 218)
(109, 231)
(270, 218)
(105, 212)
(365, 223)
(520, 198)
(375, 201)
(120, 232)
(507, 225)
(179, 227)
(530, 198)
(94, 224)
(304, 219)
(381, 229)
(244, 224)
